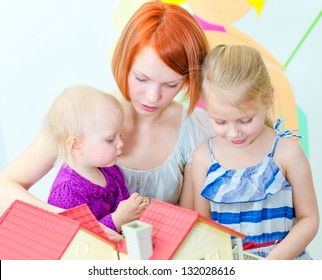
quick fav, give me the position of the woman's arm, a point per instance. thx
(200, 165)
(298, 174)
(186, 196)
(27, 169)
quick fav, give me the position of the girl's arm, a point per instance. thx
(27, 169)
(298, 173)
(200, 165)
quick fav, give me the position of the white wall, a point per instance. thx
(46, 45)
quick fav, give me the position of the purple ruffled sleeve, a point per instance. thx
(108, 221)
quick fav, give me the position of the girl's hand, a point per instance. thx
(128, 210)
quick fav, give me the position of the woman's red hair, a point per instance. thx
(175, 36)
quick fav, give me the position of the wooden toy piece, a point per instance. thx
(146, 199)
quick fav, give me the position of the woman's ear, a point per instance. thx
(74, 145)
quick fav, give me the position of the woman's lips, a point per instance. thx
(149, 108)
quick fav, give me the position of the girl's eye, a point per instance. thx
(109, 140)
(219, 122)
(245, 121)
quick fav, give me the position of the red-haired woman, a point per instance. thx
(158, 56)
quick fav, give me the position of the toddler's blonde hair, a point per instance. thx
(72, 112)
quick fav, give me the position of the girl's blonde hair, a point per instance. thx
(238, 75)
(176, 37)
(72, 112)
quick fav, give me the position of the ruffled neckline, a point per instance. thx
(106, 192)
(251, 184)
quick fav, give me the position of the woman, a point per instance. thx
(159, 54)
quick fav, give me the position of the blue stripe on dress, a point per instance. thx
(265, 237)
(253, 216)
(213, 168)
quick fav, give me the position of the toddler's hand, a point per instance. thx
(128, 210)
(112, 235)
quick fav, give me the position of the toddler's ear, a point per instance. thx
(74, 145)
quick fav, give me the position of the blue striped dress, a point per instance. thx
(256, 201)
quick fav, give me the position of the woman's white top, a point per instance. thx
(164, 182)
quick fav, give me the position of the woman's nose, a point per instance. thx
(153, 94)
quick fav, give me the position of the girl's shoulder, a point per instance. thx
(288, 151)
(202, 151)
(289, 148)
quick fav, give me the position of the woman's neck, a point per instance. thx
(139, 121)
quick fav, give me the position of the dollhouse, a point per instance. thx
(163, 232)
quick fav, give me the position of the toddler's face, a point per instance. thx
(102, 141)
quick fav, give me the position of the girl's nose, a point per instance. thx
(233, 131)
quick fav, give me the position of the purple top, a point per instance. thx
(71, 189)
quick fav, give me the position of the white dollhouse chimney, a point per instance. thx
(138, 236)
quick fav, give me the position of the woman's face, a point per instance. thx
(152, 84)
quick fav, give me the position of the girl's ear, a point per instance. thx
(74, 145)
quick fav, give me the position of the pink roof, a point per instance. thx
(170, 225)
(30, 232)
(88, 221)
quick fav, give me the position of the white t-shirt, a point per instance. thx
(164, 182)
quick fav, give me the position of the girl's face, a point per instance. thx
(102, 143)
(152, 84)
(239, 126)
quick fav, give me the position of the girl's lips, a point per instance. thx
(239, 142)
(148, 108)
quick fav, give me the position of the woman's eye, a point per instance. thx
(109, 140)
(140, 79)
(172, 85)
